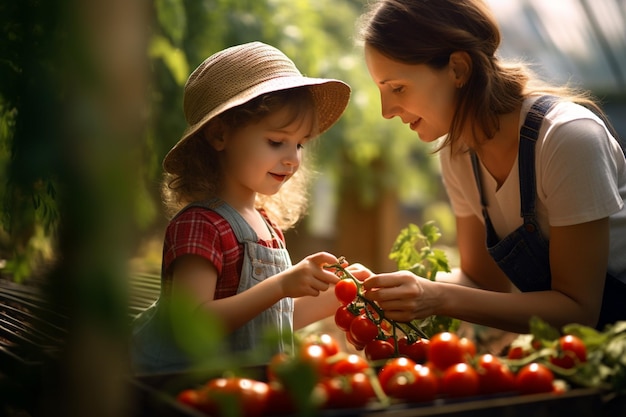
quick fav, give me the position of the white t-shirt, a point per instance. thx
(580, 173)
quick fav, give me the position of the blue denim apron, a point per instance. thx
(154, 347)
(523, 255)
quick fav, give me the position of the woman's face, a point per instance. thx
(262, 156)
(424, 98)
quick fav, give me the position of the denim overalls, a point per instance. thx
(154, 348)
(524, 254)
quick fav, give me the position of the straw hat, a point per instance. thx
(240, 73)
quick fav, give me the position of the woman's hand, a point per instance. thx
(359, 271)
(402, 295)
(308, 277)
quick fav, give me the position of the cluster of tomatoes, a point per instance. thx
(335, 379)
(450, 369)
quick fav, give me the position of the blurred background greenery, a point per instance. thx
(91, 100)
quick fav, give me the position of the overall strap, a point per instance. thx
(241, 228)
(529, 133)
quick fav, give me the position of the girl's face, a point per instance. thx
(424, 98)
(260, 157)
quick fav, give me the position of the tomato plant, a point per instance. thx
(378, 349)
(445, 350)
(363, 329)
(460, 380)
(346, 291)
(534, 378)
(570, 351)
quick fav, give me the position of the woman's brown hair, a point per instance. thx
(429, 31)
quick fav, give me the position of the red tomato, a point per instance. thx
(394, 366)
(343, 318)
(346, 291)
(379, 349)
(516, 352)
(315, 355)
(494, 376)
(571, 351)
(417, 351)
(469, 347)
(279, 401)
(348, 391)
(350, 364)
(250, 395)
(191, 398)
(417, 384)
(534, 378)
(354, 343)
(460, 380)
(445, 350)
(278, 362)
(363, 329)
(326, 341)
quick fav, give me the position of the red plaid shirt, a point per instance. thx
(203, 232)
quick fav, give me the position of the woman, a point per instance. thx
(538, 194)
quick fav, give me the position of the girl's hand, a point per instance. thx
(402, 295)
(308, 277)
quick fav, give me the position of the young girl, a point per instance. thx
(232, 184)
(536, 179)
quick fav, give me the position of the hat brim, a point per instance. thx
(331, 98)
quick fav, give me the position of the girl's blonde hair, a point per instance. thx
(195, 175)
(428, 32)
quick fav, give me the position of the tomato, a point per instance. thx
(277, 363)
(379, 349)
(534, 378)
(346, 291)
(417, 384)
(571, 351)
(417, 351)
(363, 329)
(460, 380)
(469, 347)
(516, 352)
(394, 366)
(326, 341)
(445, 350)
(279, 401)
(350, 364)
(494, 375)
(190, 397)
(354, 343)
(249, 395)
(315, 355)
(343, 318)
(348, 391)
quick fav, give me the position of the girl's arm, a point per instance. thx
(578, 256)
(196, 277)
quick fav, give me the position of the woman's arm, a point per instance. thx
(578, 256)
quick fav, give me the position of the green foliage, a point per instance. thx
(413, 251)
(605, 367)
